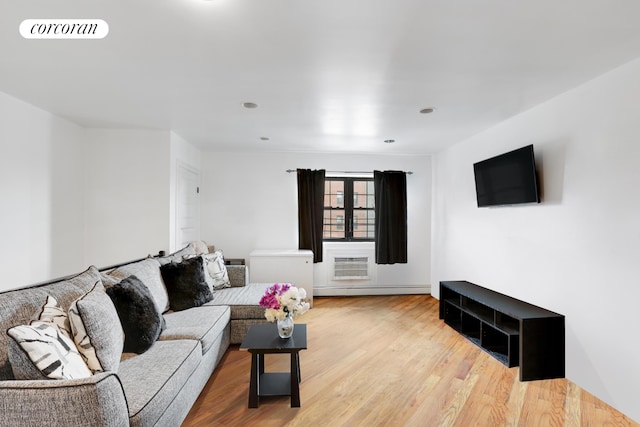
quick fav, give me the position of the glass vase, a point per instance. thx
(285, 327)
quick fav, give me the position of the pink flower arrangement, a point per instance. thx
(283, 300)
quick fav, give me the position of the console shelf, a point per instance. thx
(514, 332)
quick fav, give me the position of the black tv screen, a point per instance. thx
(507, 179)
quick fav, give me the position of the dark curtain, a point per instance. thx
(310, 211)
(391, 216)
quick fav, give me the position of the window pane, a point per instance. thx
(370, 203)
(371, 224)
(333, 227)
(361, 194)
(366, 224)
(334, 194)
(359, 224)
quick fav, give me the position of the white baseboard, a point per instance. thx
(332, 291)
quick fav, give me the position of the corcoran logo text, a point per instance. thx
(64, 29)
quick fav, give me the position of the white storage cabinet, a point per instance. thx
(293, 266)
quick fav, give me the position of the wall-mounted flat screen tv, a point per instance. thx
(507, 179)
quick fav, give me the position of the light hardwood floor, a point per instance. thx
(389, 361)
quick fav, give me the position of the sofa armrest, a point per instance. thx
(95, 401)
(238, 275)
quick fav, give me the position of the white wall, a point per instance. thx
(181, 153)
(578, 252)
(249, 202)
(41, 176)
(127, 195)
(71, 197)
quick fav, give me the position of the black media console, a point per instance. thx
(513, 331)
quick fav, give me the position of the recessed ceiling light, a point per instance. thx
(249, 105)
(264, 138)
(427, 110)
(389, 141)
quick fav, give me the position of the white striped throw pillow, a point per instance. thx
(48, 346)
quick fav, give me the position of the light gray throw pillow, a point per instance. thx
(96, 330)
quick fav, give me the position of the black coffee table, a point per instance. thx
(264, 339)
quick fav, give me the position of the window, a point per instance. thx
(349, 209)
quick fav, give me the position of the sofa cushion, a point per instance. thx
(96, 330)
(18, 307)
(200, 246)
(178, 256)
(152, 380)
(216, 273)
(23, 368)
(148, 271)
(51, 312)
(204, 324)
(108, 280)
(67, 291)
(139, 316)
(83, 281)
(46, 348)
(190, 249)
(214, 264)
(238, 275)
(244, 301)
(186, 284)
(207, 277)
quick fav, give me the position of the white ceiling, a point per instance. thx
(329, 76)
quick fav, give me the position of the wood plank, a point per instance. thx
(389, 361)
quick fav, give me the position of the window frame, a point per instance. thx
(348, 206)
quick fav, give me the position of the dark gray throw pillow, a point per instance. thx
(139, 316)
(186, 284)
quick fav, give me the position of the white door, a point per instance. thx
(187, 206)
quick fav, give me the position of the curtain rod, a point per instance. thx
(358, 172)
